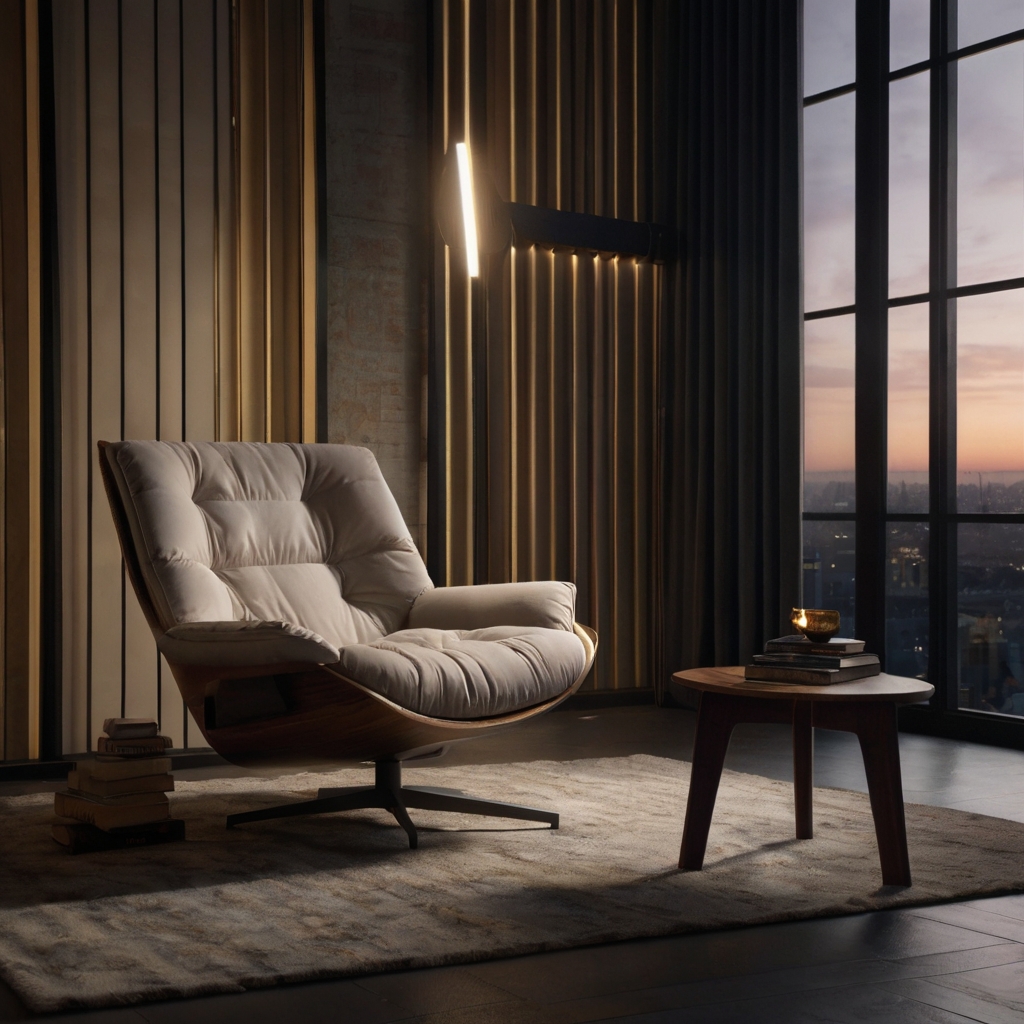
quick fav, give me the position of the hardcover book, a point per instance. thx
(162, 783)
(113, 769)
(799, 644)
(145, 746)
(808, 676)
(123, 799)
(83, 838)
(70, 805)
(816, 660)
(130, 728)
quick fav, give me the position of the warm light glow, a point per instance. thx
(468, 210)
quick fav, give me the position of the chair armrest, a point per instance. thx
(244, 642)
(549, 604)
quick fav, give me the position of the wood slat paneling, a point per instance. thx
(558, 97)
(168, 181)
(73, 216)
(199, 145)
(105, 591)
(138, 305)
(21, 349)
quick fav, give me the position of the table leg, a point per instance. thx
(874, 723)
(715, 720)
(803, 768)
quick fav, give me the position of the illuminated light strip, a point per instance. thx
(468, 211)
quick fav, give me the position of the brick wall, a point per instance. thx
(379, 234)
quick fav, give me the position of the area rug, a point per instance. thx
(306, 898)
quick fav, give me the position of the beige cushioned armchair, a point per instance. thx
(284, 589)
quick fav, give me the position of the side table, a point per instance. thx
(866, 707)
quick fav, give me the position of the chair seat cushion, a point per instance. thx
(465, 674)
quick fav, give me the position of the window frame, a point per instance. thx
(872, 302)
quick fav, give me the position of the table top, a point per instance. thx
(729, 679)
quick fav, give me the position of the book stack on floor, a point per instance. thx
(120, 799)
(795, 659)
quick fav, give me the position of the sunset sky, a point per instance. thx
(990, 240)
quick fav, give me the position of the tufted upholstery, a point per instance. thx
(306, 534)
(459, 673)
(256, 554)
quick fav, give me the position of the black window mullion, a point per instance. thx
(871, 299)
(871, 305)
(989, 517)
(959, 292)
(829, 94)
(983, 45)
(942, 659)
(915, 69)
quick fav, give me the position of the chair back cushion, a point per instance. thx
(303, 533)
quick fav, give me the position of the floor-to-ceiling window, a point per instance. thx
(914, 338)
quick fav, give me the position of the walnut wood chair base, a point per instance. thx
(389, 794)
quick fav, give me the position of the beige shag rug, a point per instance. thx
(305, 898)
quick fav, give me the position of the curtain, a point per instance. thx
(731, 356)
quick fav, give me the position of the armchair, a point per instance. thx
(299, 622)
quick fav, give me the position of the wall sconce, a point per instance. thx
(470, 215)
(473, 219)
(468, 208)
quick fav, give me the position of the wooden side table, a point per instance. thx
(866, 707)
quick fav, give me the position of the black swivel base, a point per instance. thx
(388, 793)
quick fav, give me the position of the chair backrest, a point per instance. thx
(302, 533)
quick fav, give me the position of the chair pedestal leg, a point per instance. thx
(389, 794)
(353, 798)
(435, 800)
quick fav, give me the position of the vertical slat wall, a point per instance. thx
(558, 99)
(275, 161)
(21, 345)
(180, 156)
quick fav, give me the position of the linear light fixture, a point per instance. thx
(468, 210)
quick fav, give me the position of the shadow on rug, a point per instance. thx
(305, 898)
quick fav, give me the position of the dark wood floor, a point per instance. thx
(958, 962)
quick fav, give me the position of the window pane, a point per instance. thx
(909, 32)
(990, 166)
(908, 408)
(990, 588)
(989, 492)
(828, 203)
(829, 44)
(990, 402)
(828, 414)
(829, 570)
(906, 600)
(908, 185)
(986, 19)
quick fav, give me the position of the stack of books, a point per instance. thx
(120, 799)
(795, 659)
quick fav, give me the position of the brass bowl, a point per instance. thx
(819, 625)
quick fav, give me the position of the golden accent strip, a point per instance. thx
(268, 283)
(308, 389)
(34, 405)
